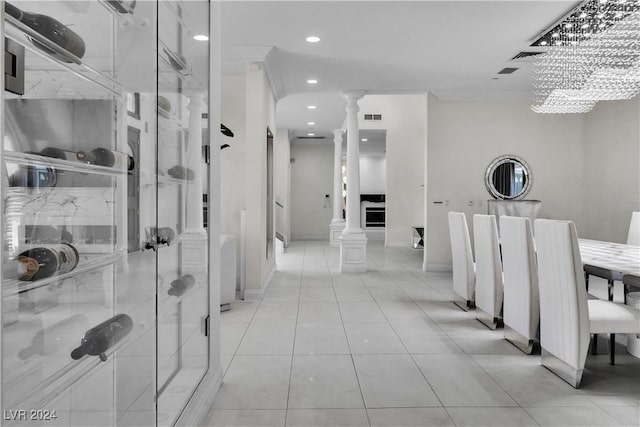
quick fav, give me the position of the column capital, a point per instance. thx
(337, 135)
(352, 97)
(196, 101)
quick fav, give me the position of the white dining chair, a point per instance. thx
(488, 271)
(521, 312)
(566, 316)
(462, 258)
(633, 238)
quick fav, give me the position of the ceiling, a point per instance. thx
(453, 49)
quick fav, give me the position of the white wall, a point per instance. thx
(464, 137)
(282, 180)
(612, 172)
(311, 180)
(248, 108)
(373, 174)
(404, 120)
(260, 114)
(232, 159)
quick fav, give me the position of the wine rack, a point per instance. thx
(114, 337)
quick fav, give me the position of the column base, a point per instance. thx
(335, 232)
(353, 253)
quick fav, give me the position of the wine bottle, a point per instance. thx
(52, 259)
(181, 285)
(53, 152)
(105, 157)
(178, 62)
(21, 268)
(122, 6)
(46, 341)
(33, 176)
(181, 172)
(164, 106)
(97, 340)
(52, 30)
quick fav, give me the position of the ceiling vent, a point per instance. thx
(375, 117)
(507, 70)
(526, 56)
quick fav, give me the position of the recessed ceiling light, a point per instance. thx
(311, 123)
(312, 81)
(313, 39)
(543, 43)
(555, 35)
(311, 107)
(311, 134)
(364, 139)
(201, 37)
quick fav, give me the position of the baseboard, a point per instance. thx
(253, 294)
(311, 238)
(439, 267)
(267, 280)
(196, 413)
(257, 294)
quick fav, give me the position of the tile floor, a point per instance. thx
(387, 348)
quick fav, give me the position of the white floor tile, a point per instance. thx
(255, 382)
(276, 312)
(324, 382)
(269, 338)
(230, 336)
(321, 339)
(583, 416)
(627, 415)
(392, 381)
(317, 294)
(327, 417)
(529, 383)
(425, 339)
(458, 381)
(241, 312)
(319, 312)
(352, 293)
(490, 417)
(409, 417)
(327, 322)
(367, 312)
(373, 338)
(247, 418)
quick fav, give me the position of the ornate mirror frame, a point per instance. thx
(493, 166)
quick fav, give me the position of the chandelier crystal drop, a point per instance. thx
(593, 55)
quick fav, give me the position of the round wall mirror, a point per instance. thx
(508, 177)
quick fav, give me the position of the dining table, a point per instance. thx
(611, 256)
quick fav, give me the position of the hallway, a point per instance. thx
(388, 348)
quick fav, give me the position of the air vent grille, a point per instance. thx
(375, 117)
(507, 70)
(525, 55)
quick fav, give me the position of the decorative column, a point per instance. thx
(353, 245)
(337, 223)
(193, 241)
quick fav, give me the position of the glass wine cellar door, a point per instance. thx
(105, 271)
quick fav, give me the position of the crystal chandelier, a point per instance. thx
(593, 55)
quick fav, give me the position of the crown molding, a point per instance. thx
(267, 56)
